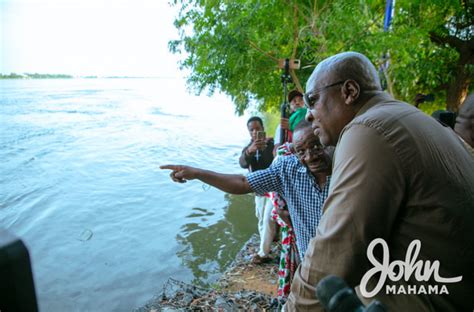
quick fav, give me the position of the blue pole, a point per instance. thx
(388, 15)
(386, 25)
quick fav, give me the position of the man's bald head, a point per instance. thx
(347, 65)
(338, 87)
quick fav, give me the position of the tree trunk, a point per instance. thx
(457, 89)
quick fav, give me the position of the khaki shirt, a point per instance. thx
(398, 175)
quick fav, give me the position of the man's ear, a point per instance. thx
(350, 91)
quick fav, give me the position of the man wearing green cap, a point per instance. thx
(297, 113)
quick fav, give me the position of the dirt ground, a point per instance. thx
(243, 274)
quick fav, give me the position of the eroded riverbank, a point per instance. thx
(243, 286)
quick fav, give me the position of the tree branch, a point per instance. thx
(253, 45)
(453, 41)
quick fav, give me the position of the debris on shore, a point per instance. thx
(243, 274)
(244, 286)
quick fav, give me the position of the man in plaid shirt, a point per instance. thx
(302, 179)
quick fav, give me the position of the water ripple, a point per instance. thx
(83, 156)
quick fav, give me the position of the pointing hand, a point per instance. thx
(180, 173)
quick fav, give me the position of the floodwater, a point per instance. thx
(80, 185)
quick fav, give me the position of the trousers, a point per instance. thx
(266, 225)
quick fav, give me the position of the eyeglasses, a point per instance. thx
(311, 98)
(315, 150)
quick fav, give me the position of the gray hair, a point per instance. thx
(350, 65)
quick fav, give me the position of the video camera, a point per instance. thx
(445, 117)
(425, 98)
(289, 64)
(336, 296)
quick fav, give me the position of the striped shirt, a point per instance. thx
(305, 199)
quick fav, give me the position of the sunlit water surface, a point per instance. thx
(80, 184)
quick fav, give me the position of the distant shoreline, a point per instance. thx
(63, 76)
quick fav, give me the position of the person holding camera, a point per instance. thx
(258, 155)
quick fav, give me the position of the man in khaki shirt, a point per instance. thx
(398, 175)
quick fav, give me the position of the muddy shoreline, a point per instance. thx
(243, 286)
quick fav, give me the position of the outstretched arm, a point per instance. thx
(230, 183)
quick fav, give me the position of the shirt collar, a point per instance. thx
(326, 185)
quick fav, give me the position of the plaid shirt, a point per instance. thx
(293, 181)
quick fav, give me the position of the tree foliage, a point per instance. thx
(235, 45)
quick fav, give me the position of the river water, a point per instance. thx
(80, 185)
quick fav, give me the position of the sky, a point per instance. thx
(88, 37)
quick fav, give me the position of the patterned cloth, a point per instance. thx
(289, 252)
(305, 199)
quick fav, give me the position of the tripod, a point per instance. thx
(284, 109)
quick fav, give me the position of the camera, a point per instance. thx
(261, 135)
(292, 63)
(445, 117)
(428, 98)
(421, 98)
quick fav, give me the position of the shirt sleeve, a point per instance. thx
(267, 180)
(244, 160)
(366, 192)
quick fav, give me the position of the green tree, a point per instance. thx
(432, 48)
(235, 45)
